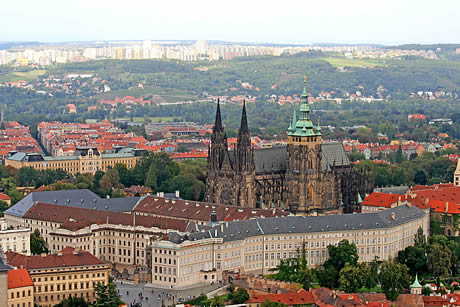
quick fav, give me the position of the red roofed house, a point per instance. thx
(443, 200)
(301, 298)
(416, 117)
(71, 272)
(20, 288)
(381, 201)
(72, 108)
(5, 198)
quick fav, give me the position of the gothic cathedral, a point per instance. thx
(304, 177)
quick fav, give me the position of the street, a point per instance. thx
(156, 297)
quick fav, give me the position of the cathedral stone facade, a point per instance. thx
(306, 176)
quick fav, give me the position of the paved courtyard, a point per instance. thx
(156, 297)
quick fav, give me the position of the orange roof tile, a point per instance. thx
(300, 298)
(19, 278)
(377, 199)
(70, 257)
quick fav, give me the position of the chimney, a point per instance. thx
(427, 200)
(76, 251)
(221, 227)
(162, 194)
(213, 216)
(59, 253)
(177, 194)
(447, 206)
(43, 255)
(215, 233)
(226, 224)
(393, 216)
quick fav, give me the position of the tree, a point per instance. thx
(306, 277)
(439, 259)
(426, 291)
(342, 254)
(420, 239)
(218, 301)
(106, 295)
(3, 207)
(420, 177)
(356, 156)
(415, 259)
(151, 178)
(110, 180)
(73, 301)
(328, 277)
(394, 278)
(352, 278)
(84, 181)
(37, 243)
(189, 187)
(240, 296)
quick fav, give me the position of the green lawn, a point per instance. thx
(343, 62)
(26, 76)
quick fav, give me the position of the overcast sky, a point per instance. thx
(283, 21)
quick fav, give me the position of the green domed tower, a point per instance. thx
(304, 159)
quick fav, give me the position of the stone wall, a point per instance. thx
(260, 286)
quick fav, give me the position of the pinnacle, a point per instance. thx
(244, 120)
(218, 121)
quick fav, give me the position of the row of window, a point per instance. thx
(51, 278)
(64, 287)
(164, 270)
(18, 294)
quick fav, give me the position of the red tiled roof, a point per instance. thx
(200, 211)
(417, 116)
(377, 199)
(19, 278)
(73, 218)
(300, 298)
(4, 197)
(70, 257)
(435, 301)
(439, 197)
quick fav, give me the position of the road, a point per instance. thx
(130, 293)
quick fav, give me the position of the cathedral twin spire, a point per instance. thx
(218, 153)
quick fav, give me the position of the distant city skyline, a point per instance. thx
(289, 22)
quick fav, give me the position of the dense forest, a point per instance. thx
(397, 77)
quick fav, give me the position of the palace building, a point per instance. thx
(257, 245)
(84, 160)
(308, 175)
